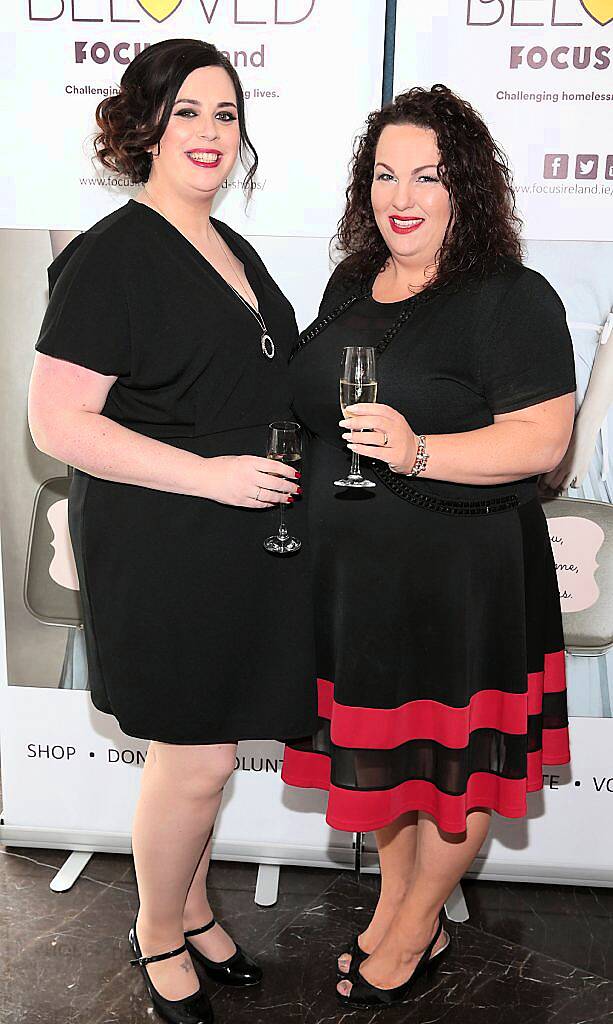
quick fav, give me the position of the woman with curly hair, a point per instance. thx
(161, 361)
(440, 648)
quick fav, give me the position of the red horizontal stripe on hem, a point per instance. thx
(359, 811)
(555, 672)
(363, 811)
(556, 746)
(305, 769)
(555, 751)
(535, 771)
(325, 698)
(385, 728)
(552, 679)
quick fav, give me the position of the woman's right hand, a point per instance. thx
(249, 481)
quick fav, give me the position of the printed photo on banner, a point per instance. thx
(581, 526)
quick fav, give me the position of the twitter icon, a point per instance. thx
(586, 165)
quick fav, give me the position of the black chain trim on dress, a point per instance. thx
(321, 324)
(396, 483)
(306, 336)
(448, 506)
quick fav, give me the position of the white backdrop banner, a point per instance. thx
(79, 777)
(60, 58)
(539, 71)
(70, 777)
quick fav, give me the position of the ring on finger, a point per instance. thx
(257, 497)
(385, 439)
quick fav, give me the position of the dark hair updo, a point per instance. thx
(484, 228)
(136, 117)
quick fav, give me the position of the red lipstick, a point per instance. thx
(412, 224)
(192, 155)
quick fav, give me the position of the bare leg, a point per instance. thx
(441, 860)
(216, 943)
(397, 844)
(179, 799)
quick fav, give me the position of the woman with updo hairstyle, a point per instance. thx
(161, 362)
(440, 654)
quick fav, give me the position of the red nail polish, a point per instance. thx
(290, 501)
(298, 474)
(299, 491)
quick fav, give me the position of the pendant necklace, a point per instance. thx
(266, 343)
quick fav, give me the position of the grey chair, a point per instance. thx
(588, 632)
(49, 602)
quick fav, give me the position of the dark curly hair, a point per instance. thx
(136, 117)
(484, 228)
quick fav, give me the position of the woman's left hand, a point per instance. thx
(388, 438)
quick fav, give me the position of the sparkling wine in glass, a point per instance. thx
(284, 445)
(358, 384)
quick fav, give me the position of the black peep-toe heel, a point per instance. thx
(364, 994)
(239, 969)
(358, 956)
(193, 1009)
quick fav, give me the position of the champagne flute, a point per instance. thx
(284, 445)
(358, 384)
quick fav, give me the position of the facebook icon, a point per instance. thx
(556, 165)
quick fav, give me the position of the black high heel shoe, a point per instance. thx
(239, 969)
(364, 994)
(358, 956)
(193, 1009)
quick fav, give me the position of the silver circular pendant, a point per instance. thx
(268, 346)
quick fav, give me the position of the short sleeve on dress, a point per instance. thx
(87, 321)
(527, 357)
(336, 291)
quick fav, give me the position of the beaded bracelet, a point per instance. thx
(421, 458)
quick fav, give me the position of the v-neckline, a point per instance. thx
(241, 255)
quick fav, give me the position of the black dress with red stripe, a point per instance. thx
(439, 634)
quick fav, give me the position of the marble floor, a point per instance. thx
(529, 954)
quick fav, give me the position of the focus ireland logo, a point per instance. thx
(573, 44)
(159, 9)
(232, 12)
(600, 10)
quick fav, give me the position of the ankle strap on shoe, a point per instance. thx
(199, 931)
(425, 956)
(143, 960)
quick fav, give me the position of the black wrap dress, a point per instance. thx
(194, 633)
(440, 653)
